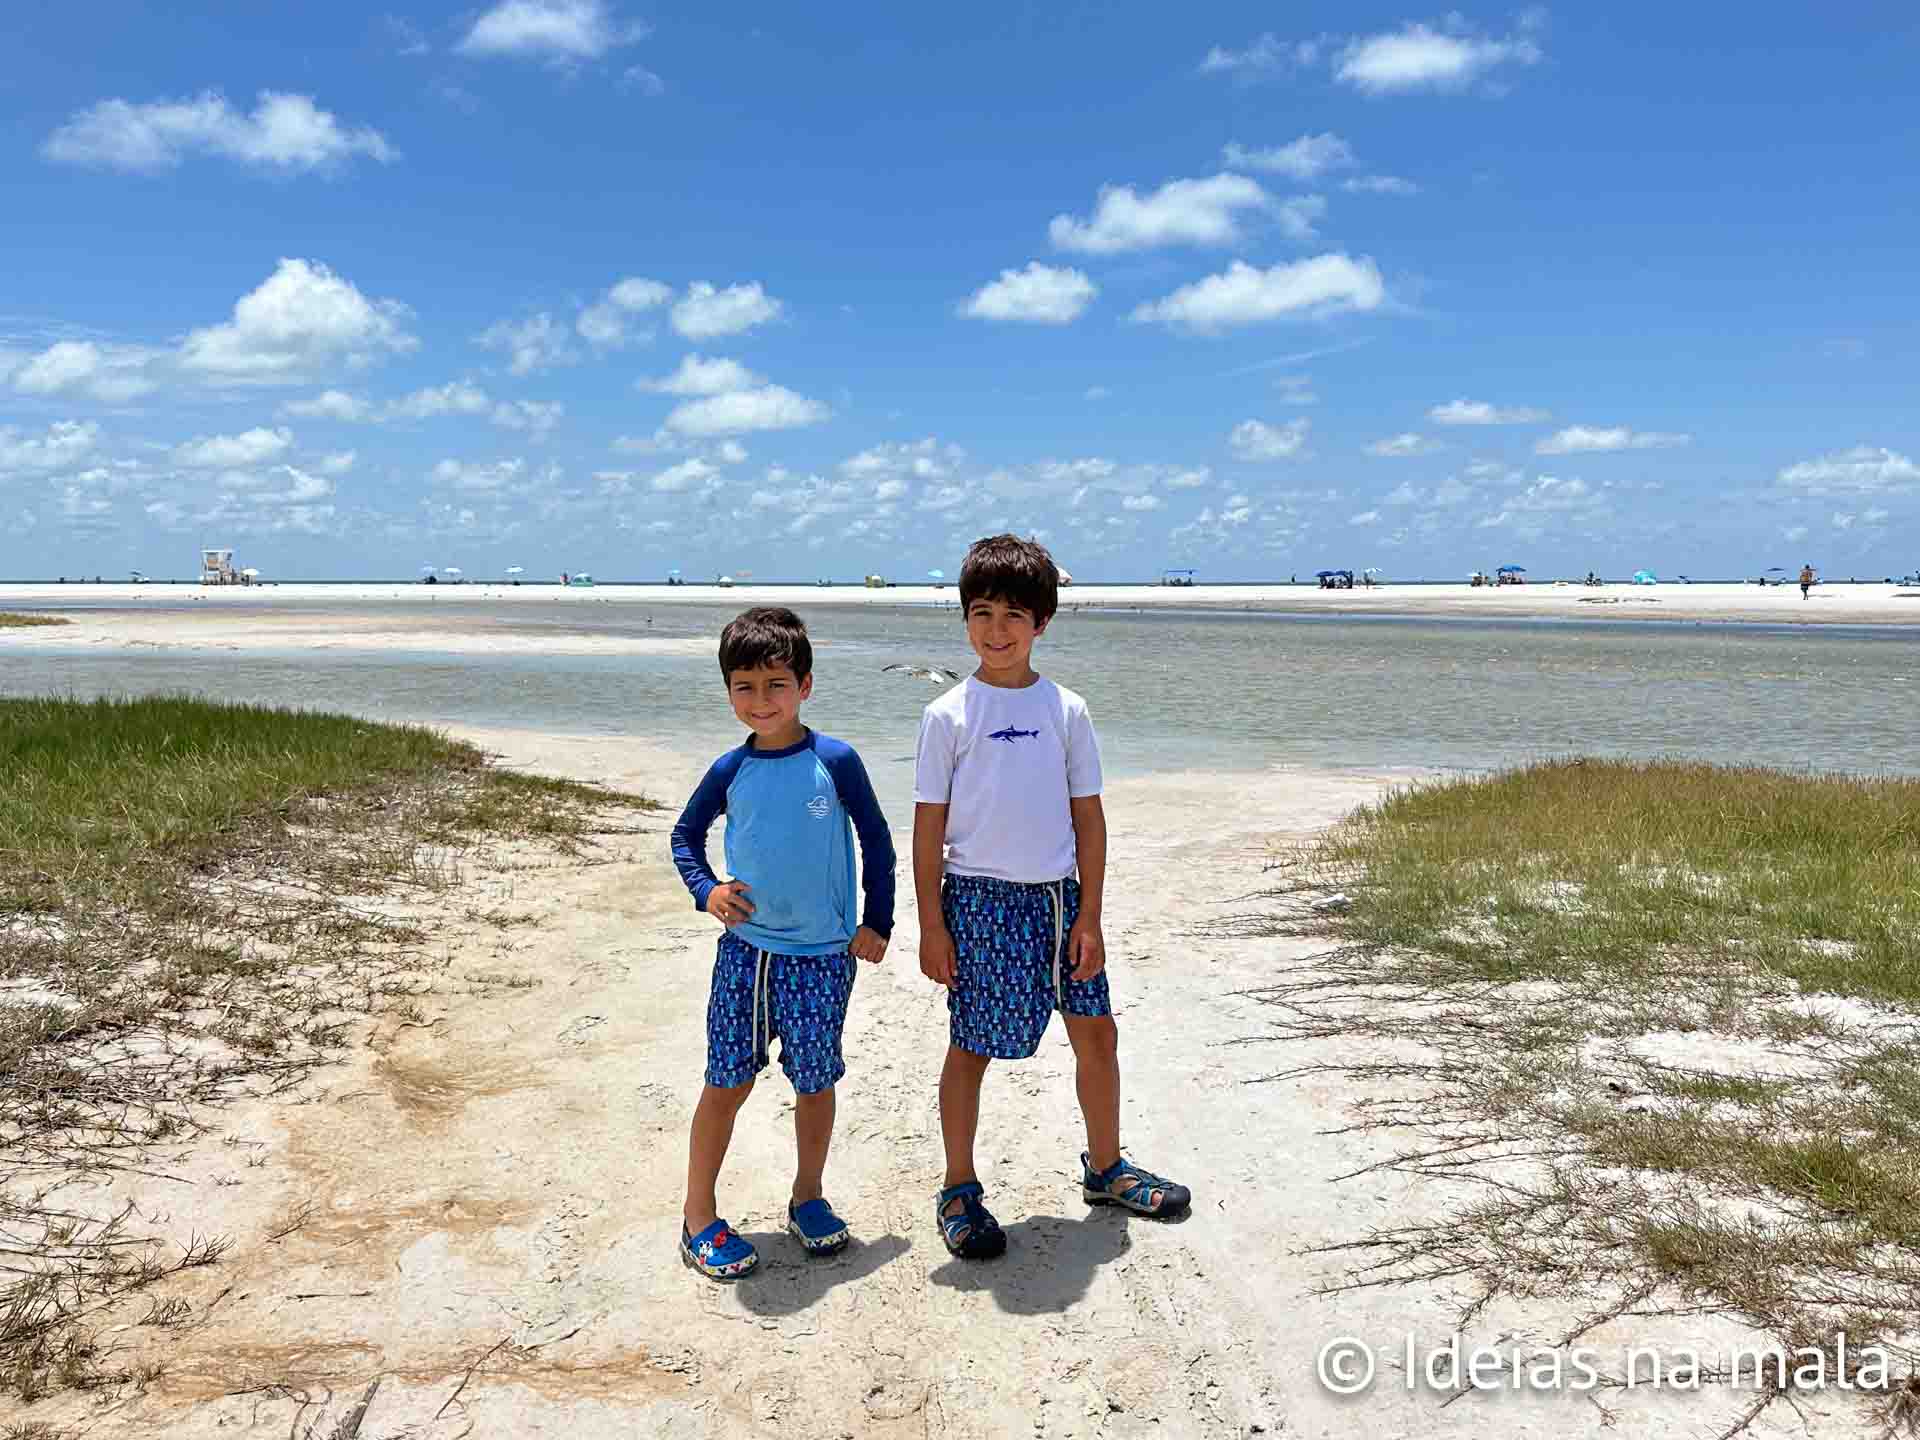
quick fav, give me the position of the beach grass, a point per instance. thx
(14, 620)
(197, 899)
(1674, 1007)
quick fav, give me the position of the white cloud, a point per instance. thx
(1479, 412)
(731, 452)
(705, 313)
(1379, 185)
(338, 463)
(1039, 295)
(1181, 212)
(536, 417)
(1142, 502)
(604, 323)
(1794, 532)
(1398, 446)
(1366, 517)
(561, 30)
(638, 77)
(536, 343)
(1257, 440)
(1098, 392)
(1266, 54)
(285, 133)
(770, 407)
(1843, 522)
(1419, 57)
(1246, 295)
(1863, 470)
(224, 452)
(924, 459)
(1301, 159)
(1583, 439)
(1405, 493)
(684, 476)
(111, 375)
(301, 318)
(65, 443)
(1298, 216)
(1189, 479)
(1296, 390)
(331, 405)
(456, 397)
(463, 475)
(697, 375)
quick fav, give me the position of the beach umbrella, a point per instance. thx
(1645, 577)
(673, 572)
(455, 570)
(1371, 570)
(1323, 574)
(1513, 570)
(516, 569)
(1776, 570)
(936, 574)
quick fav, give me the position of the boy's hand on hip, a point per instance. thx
(1086, 949)
(868, 945)
(729, 904)
(937, 958)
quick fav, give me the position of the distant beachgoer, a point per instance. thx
(1806, 580)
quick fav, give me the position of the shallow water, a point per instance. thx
(1168, 691)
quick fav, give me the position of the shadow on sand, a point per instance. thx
(1049, 1264)
(786, 1281)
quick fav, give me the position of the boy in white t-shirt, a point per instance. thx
(1007, 809)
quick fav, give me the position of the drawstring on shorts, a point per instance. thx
(762, 1011)
(1057, 891)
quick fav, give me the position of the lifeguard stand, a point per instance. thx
(216, 568)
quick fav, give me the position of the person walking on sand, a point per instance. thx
(785, 966)
(1806, 580)
(1006, 811)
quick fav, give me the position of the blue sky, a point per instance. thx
(577, 284)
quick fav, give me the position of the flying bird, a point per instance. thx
(932, 673)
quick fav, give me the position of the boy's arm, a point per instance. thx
(877, 858)
(929, 860)
(1088, 947)
(707, 804)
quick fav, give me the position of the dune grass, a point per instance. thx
(1675, 1006)
(14, 620)
(195, 898)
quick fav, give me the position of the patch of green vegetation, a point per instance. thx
(14, 620)
(234, 884)
(1540, 935)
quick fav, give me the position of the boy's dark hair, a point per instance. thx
(766, 635)
(1019, 572)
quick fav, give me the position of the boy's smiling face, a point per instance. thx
(767, 700)
(1002, 635)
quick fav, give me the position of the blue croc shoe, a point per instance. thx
(1142, 1192)
(717, 1253)
(817, 1228)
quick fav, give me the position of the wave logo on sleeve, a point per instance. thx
(1009, 734)
(819, 807)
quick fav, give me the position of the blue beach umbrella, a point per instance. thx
(1323, 574)
(1512, 570)
(1645, 577)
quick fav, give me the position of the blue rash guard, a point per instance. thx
(789, 839)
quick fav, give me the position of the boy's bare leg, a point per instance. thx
(812, 1134)
(707, 1150)
(1096, 1054)
(960, 1080)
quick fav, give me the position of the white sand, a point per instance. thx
(513, 1174)
(1876, 604)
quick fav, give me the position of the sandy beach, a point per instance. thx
(489, 1199)
(1835, 603)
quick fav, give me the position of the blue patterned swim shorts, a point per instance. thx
(1013, 970)
(759, 996)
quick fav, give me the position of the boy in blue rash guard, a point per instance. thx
(1007, 811)
(786, 962)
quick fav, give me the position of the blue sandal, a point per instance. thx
(817, 1228)
(1137, 1194)
(973, 1234)
(717, 1252)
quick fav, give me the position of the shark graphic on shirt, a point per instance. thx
(1010, 735)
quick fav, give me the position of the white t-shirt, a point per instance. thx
(1004, 762)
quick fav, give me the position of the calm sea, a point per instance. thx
(1169, 690)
